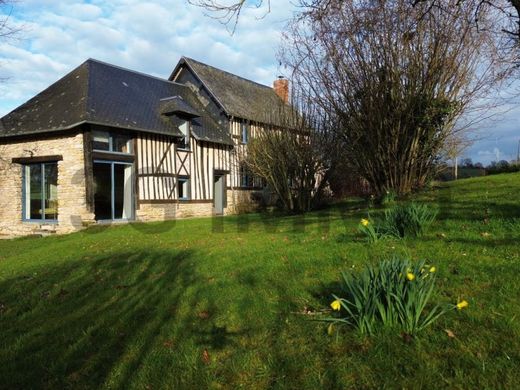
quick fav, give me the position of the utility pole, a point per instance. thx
(456, 167)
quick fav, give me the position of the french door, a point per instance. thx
(113, 190)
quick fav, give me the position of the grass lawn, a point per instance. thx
(220, 303)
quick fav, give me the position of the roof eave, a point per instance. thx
(200, 139)
(178, 134)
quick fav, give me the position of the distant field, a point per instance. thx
(462, 173)
(220, 303)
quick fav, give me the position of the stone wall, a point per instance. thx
(72, 206)
(165, 211)
(241, 201)
(238, 201)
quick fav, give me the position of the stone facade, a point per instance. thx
(73, 213)
(149, 212)
(73, 210)
(238, 201)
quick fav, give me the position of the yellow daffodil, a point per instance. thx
(462, 304)
(365, 222)
(410, 276)
(433, 269)
(336, 305)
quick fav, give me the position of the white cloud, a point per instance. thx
(150, 36)
(81, 11)
(146, 36)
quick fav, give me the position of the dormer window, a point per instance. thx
(245, 132)
(185, 140)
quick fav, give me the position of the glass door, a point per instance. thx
(41, 192)
(113, 190)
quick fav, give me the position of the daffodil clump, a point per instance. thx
(408, 220)
(389, 197)
(394, 294)
(367, 227)
(399, 221)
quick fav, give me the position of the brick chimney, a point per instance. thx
(281, 87)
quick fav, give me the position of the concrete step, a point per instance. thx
(45, 230)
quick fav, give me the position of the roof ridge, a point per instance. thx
(225, 71)
(134, 71)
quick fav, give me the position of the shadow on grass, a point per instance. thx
(323, 293)
(452, 205)
(92, 322)
(274, 221)
(491, 243)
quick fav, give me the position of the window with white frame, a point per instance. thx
(185, 130)
(183, 187)
(245, 132)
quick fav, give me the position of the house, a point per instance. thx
(106, 144)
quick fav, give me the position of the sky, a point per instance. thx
(151, 36)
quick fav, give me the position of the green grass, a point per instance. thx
(219, 303)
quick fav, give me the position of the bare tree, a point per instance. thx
(508, 9)
(228, 12)
(7, 29)
(296, 157)
(398, 77)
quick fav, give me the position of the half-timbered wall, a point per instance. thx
(155, 167)
(203, 160)
(236, 154)
(160, 164)
(240, 151)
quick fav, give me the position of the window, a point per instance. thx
(246, 178)
(245, 132)
(185, 130)
(40, 191)
(183, 186)
(115, 143)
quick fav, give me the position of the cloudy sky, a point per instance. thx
(150, 36)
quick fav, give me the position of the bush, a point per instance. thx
(408, 220)
(394, 295)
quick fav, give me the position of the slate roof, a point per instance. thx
(100, 93)
(239, 97)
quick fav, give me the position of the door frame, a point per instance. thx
(219, 176)
(112, 190)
